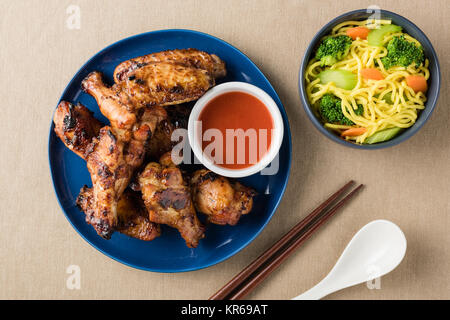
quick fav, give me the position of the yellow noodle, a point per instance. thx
(371, 94)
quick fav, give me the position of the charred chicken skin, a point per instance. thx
(168, 200)
(163, 83)
(161, 141)
(132, 215)
(222, 200)
(187, 57)
(75, 126)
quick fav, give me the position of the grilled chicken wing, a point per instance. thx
(168, 200)
(222, 200)
(132, 215)
(162, 83)
(157, 83)
(164, 78)
(75, 126)
(141, 134)
(110, 175)
(109, 99)
(112, 162)
(187, 57)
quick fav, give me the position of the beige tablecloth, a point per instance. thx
(408, 184)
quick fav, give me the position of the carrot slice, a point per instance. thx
(358, 32)
(372, 74)
(417, 83)
(353, 132)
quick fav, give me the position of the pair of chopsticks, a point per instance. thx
(244, 282)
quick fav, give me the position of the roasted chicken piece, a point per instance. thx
(75, 126)
(109, 99)
(110, 174)
(163, 83)
(187, 57)
(132, 215)
(111, 161)
(163, 78)
(155, 84)
(141, 133)
(178, 114)
(161, 141)
(222, 200)
(168, 200)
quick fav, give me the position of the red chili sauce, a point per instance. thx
(237, 110)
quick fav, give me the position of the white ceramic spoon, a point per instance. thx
(374, 251)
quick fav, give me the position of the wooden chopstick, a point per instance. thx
(244, 274)
(278, 259)
(254, 273)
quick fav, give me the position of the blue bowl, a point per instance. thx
(434, 82)
(168, 253)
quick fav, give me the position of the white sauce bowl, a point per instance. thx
(276, 138)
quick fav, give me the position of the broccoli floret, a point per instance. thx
(360, 110)
(331, 111)
(333, 49)
(402, 53)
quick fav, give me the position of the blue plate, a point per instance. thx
(168, 253)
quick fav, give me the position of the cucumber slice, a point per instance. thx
(376, 36)
(383, 135)
(342, 78)
(387, 97)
